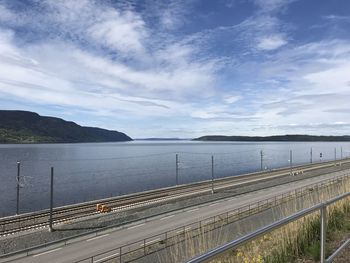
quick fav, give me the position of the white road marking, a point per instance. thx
(97, 237)
(47, 252)
(192, 210)
(136, 226)
(167, 217)
(150, 242)
(102, 259)
(214, 204)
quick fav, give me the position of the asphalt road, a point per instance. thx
(132, 233)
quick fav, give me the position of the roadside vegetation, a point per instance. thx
(298, 241)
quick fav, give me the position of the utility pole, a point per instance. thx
(212, 174)
(291, 161)
(341, 153)
(311, 155)
(261, 160)
(177, 169)
(335, 156)
(51, 201)
(18, 186)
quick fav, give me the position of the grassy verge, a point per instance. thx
(337, 233)
(299, 239)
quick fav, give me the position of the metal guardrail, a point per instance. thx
(322, 207)
(136, 250)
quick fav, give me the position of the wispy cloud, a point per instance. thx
(271, 42)
(337, 18)
(60, 66)
(160, 68)
(271, 6)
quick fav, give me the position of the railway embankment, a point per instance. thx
(98, 222)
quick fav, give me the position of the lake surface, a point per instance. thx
(96, 170)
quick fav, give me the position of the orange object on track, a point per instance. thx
(103, 208)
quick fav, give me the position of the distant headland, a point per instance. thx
(276, 138)
(30, 127)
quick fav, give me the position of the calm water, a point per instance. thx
(96, 170)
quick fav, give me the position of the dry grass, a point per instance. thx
(297, 238)
(282, 245)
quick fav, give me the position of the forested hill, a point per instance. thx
(30, 127)
(278, 138)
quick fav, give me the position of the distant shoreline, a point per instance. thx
(275, 138)
(161, 139)
(39, 143)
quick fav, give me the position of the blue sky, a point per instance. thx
(180, 68)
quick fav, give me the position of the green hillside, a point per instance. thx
(30, 127)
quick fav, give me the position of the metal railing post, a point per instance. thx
(291, 161)
(212, 174)
(323, 214)
(51, 201)
(18, 178)
(311, 155)
(261, 160)
(177, 168)
(341, 155)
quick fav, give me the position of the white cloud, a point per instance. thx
(176, 82)
(271, 42)
(59, 69)
(170, 15)
(337, 18)
(5, 47)
(314, 88)
(56, 73)
(122, 32)
(232, 99)
(264, 30)
(272, 5)
(6, 14)
(119, 30)
(92, 57)
(335, 79)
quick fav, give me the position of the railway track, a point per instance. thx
(14, 224)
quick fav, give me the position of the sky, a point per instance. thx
(184, 69)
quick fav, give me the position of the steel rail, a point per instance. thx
(27, 222)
